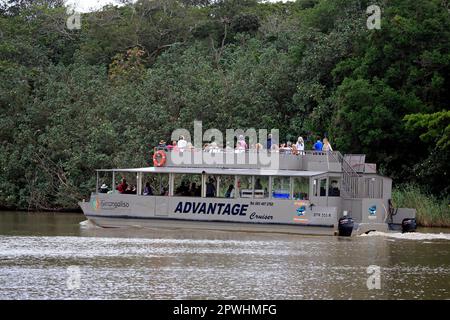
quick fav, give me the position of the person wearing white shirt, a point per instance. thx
(300, 145)
(182, 144)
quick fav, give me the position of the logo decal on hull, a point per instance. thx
(372, 212)
(301, 211)
(95, 204)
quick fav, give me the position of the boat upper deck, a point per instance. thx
(314, 162)
(220, 171)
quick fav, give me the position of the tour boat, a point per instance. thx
(311, 192)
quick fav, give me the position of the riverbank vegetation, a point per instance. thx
(431, 211)
(103, 95)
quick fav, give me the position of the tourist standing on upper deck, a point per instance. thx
(326, 145)
(289, 147)
(300, 145)
(241, 144)
(228, 147)
(182, 144)
(174, 146)
(318, 145)
(269, 142)
(171, 146)
(162, 145)
(214, 147)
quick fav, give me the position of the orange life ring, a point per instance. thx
(162, 158)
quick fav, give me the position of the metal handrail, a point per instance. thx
(350, 176)
(224, 150)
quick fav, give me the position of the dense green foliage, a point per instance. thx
(75, 100)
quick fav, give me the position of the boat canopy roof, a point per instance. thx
(220, 171)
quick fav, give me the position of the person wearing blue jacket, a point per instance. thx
(318, 145)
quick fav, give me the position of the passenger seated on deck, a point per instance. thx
(182, 189)
(230, 192)
(334, 191)
(122, 187)
(258, 185)
(210, 189)
(148, 190)
(164, 192)
(104, 189)
(131, 189)
(323, 192)
(193, 189)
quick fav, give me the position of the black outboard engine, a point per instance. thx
(409, 225)
(345, 226)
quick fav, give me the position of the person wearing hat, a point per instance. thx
(162, 145)
(104, 188)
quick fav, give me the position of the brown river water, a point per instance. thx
(61, 256)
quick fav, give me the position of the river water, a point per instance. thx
(59, 256)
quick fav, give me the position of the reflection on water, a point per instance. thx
(37, 249)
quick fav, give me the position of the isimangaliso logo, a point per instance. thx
(373, 212)
(300, 215)
(301, 211)
(95, 204)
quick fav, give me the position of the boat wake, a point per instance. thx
(87, 224)
(409, 235)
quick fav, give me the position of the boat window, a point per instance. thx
(301, 188)
(245, 186)
(315, 188)
(158, 183)
(334, 189)
(226, 187)
(187, 185)
(281, 188)
(323, 187)
(261, 187)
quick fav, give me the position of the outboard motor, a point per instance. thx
(409, 225)
(345, 226)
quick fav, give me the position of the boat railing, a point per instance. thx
(350, 177)
(310, 153)
(355, 185)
